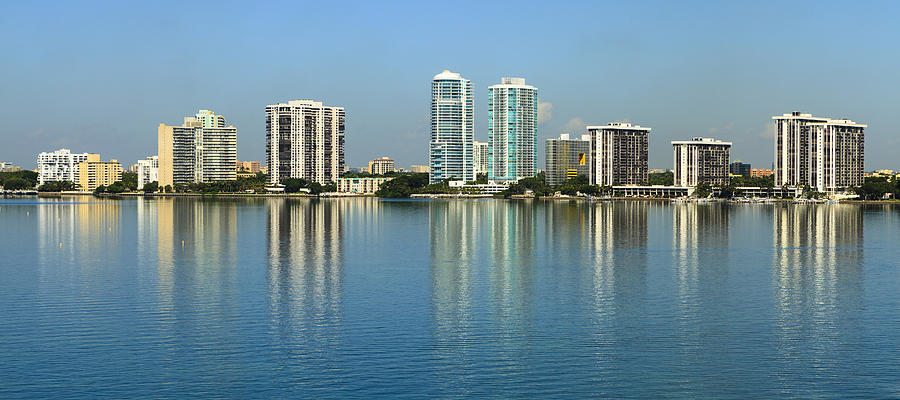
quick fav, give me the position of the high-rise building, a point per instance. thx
(619, 154)
(61, 165)
(247, 166)
(147, 171)
(567, 158)
(700, 160)
(381, 166)
(512, 130)
(739, 168)
(822, 153)
(202, 149)
(304, 139)
(450, 152)
(480, 157)
(93, 173)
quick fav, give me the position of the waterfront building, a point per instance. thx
(701, 160)
(480, 156)
(761, 172)
(147, 171)
(360, 185)
(247, 166)
(93, 173)
(11, 168)
(739, 168)
(202, 149)
(304, 139)
(567, 158)
(380, 166)
(60, 165)
(450, 150)
(823, 153)
(618, 154)
(420, 169)
(512, 130)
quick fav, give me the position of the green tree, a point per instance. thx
(664, 178)
(151, 187)
(293, 185)
(116, 187)
(403, 185)
(481, 178)
(15, 184)
(59, 186)
(702, 190)
(129, 180)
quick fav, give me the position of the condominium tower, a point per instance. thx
(567, 158)
(202, 149)
(618, 154)
(381, 166)
(480, 157)
(60, 165)
(822, 153)
(512, 130)
(701, 160)
(147, 171)
(450, 152)
(305, 140)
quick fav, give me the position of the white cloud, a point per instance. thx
(769, 132)
(575, 126)
(545, 112)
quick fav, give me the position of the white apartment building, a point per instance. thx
(450, 153)
(202, 149)
(512, 130)
(360, 185)
(619, 154)
(60, 165)
(480, 156)
(304, 139)
(825, 154)
(701, 160)
(147, 171)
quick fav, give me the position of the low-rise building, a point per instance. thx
(761, 172)
(380, 166)
(147, 171)
(420, 169)
(739, 168)
(360, 185)
(247, 166)
(93, 173)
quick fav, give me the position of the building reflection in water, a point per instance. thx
(305, 269)
(818, 261)
(86, 231)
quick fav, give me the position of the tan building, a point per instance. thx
(247, 166)
(360, 185)
(202, 149)
(381, 166)
(94, 173)
(761, 172)
(420, 169)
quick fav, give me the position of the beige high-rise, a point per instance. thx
(202, 149)
(94, 173)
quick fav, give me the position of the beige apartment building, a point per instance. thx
(247, 166)
(360, 185)
(94, 173)
(202, 149)
(381, 166)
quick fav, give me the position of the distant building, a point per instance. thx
(419, 169)
(450, 153)
(11, 168)
(304, 139)
(657, 171)
(480, 157)
(739, 168)
(93, 173)
(761, 172)
(700, 160)
(202, 149)
(567, 158)
(60, 165)
(133, 168)
(360, 185)
(147, 171)
(512, 130)
(619, 154)
(822, 153)
(380, 166)
(247, 166)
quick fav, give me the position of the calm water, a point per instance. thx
(361, 298)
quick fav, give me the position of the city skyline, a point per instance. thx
(681, 79)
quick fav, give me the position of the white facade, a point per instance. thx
(360, 185)
(147, 171)
(512, 130)
(480, 155)
(450, 151)
(60, 165)
(700, 160)
(304, 139)
(619, 154)
(825, 154)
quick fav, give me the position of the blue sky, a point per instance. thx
(100, 77)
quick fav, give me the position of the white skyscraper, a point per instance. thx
(304, 139)
(450, 151)
(512, 130)
(825, 154)
(700, 160)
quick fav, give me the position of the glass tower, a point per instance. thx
(512, 130)
(452, 128)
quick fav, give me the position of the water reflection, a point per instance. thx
(305, 270)
(82, 231)
(818, 281)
